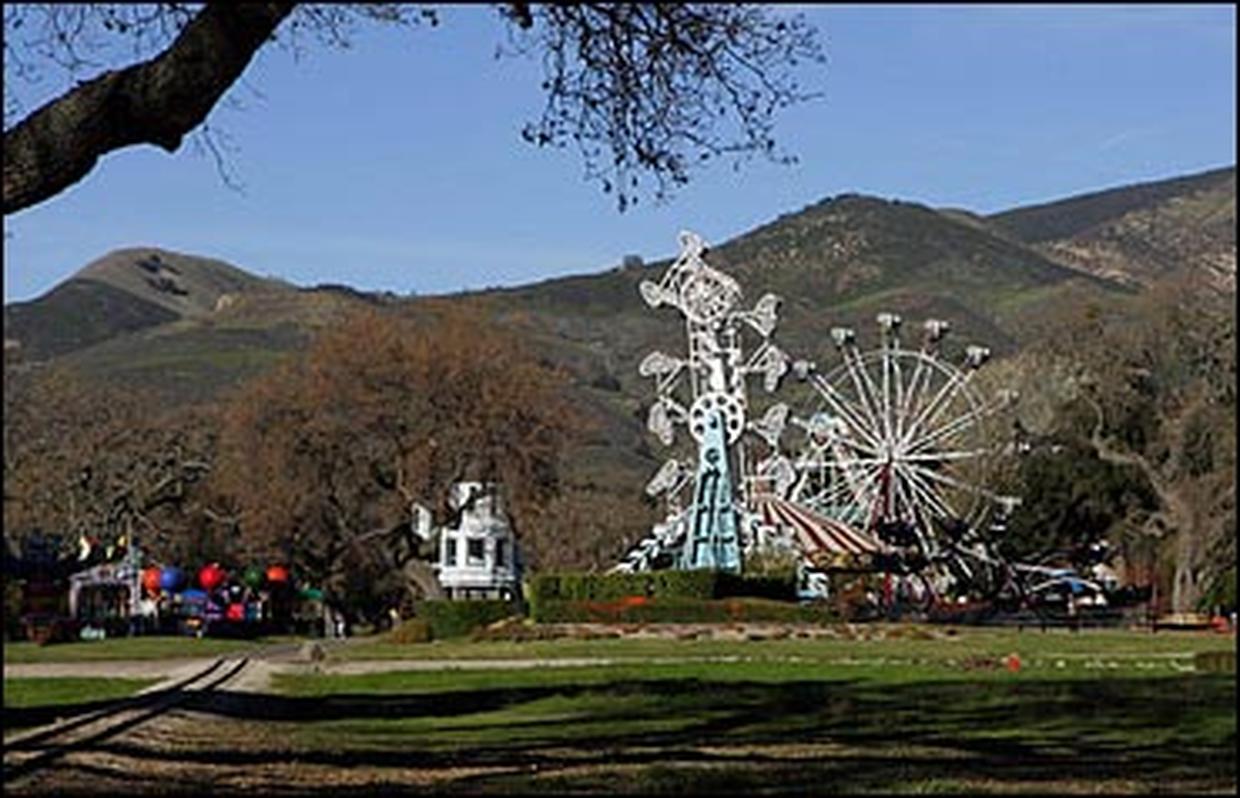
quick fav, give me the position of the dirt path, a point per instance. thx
(129, 669)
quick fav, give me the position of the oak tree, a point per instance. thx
(1150, 387)
(640, 90)
(327, 455)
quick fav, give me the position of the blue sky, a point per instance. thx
(397, 164)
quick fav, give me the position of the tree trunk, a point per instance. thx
(422, 581)
(1177, 510)
(1186, 588)
(153, 102)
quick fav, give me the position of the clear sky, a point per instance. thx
(397, 164)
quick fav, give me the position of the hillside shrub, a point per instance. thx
(459, 618)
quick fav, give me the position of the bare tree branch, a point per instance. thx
(153, 102)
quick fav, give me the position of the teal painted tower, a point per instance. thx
(713, 540)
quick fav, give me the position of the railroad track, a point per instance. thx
(26, 754)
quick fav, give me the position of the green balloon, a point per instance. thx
(253, 577)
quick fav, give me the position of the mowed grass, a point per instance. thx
(130, 648)
(1086, 712)
(24, 693)
(862, 642)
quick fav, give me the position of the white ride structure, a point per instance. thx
(886, 462)
(705, 390)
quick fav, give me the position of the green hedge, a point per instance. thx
(638, 609)
(780, 588)
(701, 585)
(459, 618)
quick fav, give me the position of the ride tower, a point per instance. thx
(705, 391)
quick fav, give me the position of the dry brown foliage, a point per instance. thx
(326, 455)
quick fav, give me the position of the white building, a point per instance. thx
(478, 557)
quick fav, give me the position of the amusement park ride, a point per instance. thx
(878, 466)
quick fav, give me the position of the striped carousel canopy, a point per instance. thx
(819, 537)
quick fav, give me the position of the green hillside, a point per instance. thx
(122, 293)
(76, 314)
(837, 262)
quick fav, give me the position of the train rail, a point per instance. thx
(28, 753)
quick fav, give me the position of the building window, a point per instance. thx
(501, 554)
(476, 552)
(449, 551)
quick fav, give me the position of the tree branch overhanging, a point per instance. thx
(155, 102)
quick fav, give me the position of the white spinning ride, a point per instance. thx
(893, 448)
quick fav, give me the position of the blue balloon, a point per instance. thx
(171, 579)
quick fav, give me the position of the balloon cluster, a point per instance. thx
(213, 580)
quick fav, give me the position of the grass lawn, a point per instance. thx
(129, 648)
(866, 643)
(1088, 712)
(39, 691)
(36, 701)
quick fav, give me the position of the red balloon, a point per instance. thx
(211, 576)
(277, 573)
(236, 612)
(150, 579)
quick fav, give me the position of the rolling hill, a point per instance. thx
(1139, 234)
(124, 292)
(189, 327)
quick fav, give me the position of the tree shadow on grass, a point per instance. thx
(699, 736)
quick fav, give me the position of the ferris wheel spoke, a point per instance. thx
(914, 392)
(931, 457)
(856, 422)
(857, 362)
(905, 507)
(926, 493)
(928, 504)
(887, 365)
(897, 408)
(945, 396)
(956, 426)
(864, 397)
(856, 483)
(963, 421)
(954, 483)
(848, 462)
(859, 487)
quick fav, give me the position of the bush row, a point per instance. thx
(446, 619)
(700, 585)
(639, 609)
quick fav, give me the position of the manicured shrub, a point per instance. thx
(552, 587)
(548, 592)
(777, 587)
(459, 618)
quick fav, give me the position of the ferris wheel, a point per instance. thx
(896, 443)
